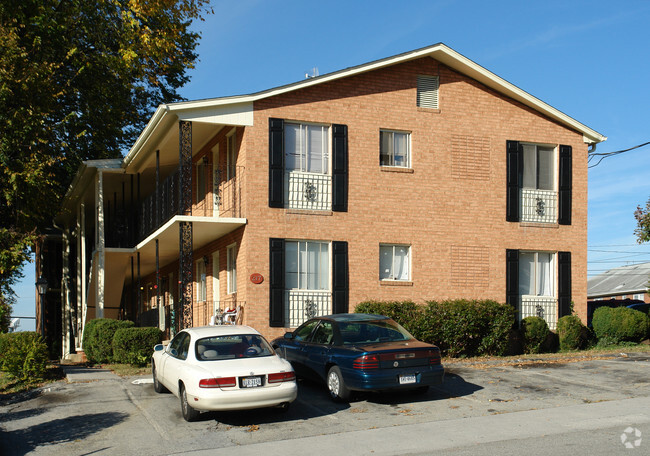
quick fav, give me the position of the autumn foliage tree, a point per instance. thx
(78, 81)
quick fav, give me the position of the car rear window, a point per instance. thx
(231, 347)
(368, 332)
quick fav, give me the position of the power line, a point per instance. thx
(604, 155)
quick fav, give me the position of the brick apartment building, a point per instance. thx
(419, 176)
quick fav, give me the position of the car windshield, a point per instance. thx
(232, 346)
(368, 332)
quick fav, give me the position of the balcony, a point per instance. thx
(221, 198)
(539, 306)
(308, 191)
(301, 305)
(538, 206)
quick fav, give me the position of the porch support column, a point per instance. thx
(66, 303)
(82, 276)
(185, 228)
(100, 243)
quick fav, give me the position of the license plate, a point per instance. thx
(251, 382)
(405, 379)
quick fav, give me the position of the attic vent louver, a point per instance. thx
(428, 92)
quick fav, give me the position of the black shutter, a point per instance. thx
(564, 283)
(276, 283)
(566, 178)
(512, 278)
(340, 168)
(340, 287)
(514, 164)
(276, 163)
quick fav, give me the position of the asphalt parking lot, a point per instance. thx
(125, 416)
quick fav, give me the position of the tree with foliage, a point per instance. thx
(642, 216)
(78, 80)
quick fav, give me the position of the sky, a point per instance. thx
(589, 59)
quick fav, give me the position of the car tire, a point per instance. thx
(189, 414)
(339, 392)
(157, 386)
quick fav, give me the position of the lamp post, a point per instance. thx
(41, 286)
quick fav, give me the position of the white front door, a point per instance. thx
(215, 282)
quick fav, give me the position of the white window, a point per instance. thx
(307, 265)
(201, 288)
(536, 274)
(306, 148)
(539, 167)
(231, 252)
(638, 296)
(200, 181)
(231, 154)
(394, 148)
(394, 262)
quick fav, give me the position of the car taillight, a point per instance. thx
(366, 362)
(281, 377)
(221, 382)
(434, 357)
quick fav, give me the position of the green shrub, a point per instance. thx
(572, 333)
(619, 324)
(535, 333)
(23, 355)
(468, 328)
(135, 345)
(406, 313)
(98, 338)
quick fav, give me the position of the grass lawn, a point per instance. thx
(9, 385)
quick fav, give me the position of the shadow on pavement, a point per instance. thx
(57, 431)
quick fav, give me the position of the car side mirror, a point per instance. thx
(158, 347)
(288, 335)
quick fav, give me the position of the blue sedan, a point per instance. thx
(360, 352)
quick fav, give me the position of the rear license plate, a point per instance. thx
(251, 382)
(406, 379)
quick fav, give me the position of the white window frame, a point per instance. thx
(391, 276)
(326, 152)
(554, 161)
(201, 281)
(391, 157)
(638, 296)
(300, 243)
(231, 268)
(231, 154)
(552, 269)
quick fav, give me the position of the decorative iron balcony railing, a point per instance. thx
(538, 206)
(539, 306)
(300, 305)
(310, 191)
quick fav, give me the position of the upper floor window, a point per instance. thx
(306, 148)
(394, 262)
(539, 167)
(394, 148)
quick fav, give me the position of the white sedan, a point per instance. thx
(222, 368)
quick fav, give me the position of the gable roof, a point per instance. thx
(619, 281)
(439, 52)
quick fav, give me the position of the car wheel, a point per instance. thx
(336, 385)
(157, 386)
(189, 413)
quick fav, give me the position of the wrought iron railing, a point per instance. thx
(203, 311)
(539, 306)
(538, 206)
(300, 305)
(310, 191)
(222, 198)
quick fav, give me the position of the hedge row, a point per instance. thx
(106, 340)
(23, 355)
(458, 327)
(484, 327)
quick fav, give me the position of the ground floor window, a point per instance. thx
(394, 262)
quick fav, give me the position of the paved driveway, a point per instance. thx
(125, 416)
